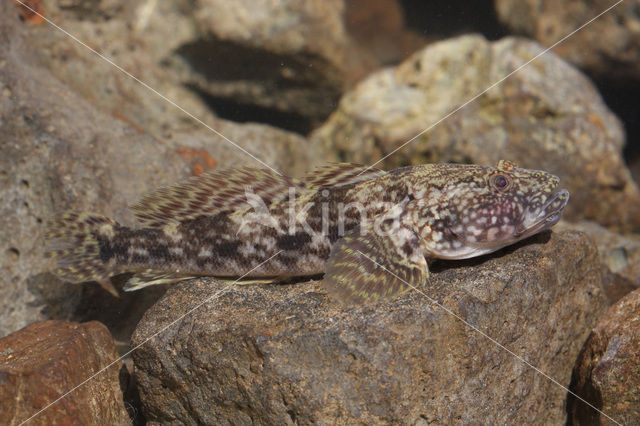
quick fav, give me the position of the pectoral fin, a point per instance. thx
(367, 267)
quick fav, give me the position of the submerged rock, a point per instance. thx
(45, 360)
(58, 152)
(607, 371)
(619, 254)
(284, 63)
(286, 354)
(608, 46)
(546, 116)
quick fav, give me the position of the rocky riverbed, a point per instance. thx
(545, 331)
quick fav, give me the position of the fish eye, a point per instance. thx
(500, 182)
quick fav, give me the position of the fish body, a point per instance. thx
(371, 232)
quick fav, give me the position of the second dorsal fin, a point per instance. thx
(211, 193)
(339, 174)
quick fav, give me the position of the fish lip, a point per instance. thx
(550, 218)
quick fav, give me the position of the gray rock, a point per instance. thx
(58, 152)
(125, 33)
(288, 60)
(606, 372)
(288, 354)
(609, 46)
(545, 116)
(288, 152)
(619, 255)
(292, 56)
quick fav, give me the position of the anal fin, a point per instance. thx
(146, 279)
(250, 281)
(367, 266)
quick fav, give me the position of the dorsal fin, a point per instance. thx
(340, 174)
(211, 193)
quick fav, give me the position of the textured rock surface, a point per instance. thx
(286, 61)
(137, 38)
(619, 254)
(60, 151)
(293, 56)
(41, 362)
(285, 354)
(607, 371)
(546, 116)
(125, 33)
(610, 45)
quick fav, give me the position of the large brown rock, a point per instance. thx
(610, 45)
(607, 373)
(545, 116)
(62, 151)
(380, 27)
(288, 354)
(45, 360)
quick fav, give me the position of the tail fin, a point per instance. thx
(71, 239)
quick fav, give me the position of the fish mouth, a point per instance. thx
(532, 221)
(545, 217)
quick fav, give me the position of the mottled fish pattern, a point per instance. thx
(370, 232)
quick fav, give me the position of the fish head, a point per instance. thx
(479, 209)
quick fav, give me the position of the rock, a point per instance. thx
(288, 354)
(283, 63)
(546, 115)
(610, 45)
(606, 372)
(44, 360)
(294, 57)
(619, 254)
(60, 151)
(124, 33)
(380, 27)
(288, 152)
(57, 152)
(165, 57)
(635, 169)
(616, 286)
